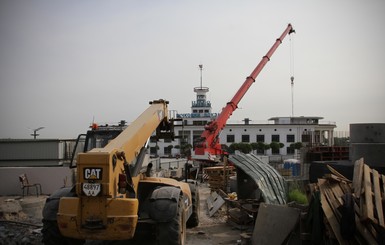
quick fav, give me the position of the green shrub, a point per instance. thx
(297, 196)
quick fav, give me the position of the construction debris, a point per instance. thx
(268, 180)
(353, 209)
(270, 220)
(214, 202)
(218, 177)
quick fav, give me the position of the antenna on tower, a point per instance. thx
(201, 68)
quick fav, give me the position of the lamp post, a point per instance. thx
(34, 132)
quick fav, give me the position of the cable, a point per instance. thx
(292, 75)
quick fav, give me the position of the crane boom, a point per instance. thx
(207, 146)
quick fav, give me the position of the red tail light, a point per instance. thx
(122, 183)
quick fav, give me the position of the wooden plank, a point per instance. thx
(335, 172)
(357, 177)
(333, 202)
(336, 178)
(383, 187)
(365, 233)
(332, 220)
(345, 188)
(338, 192)
(368, 211)
(377, 197)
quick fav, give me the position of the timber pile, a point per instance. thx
(218, 177)
(365, 223)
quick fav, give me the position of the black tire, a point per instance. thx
(173, 232)
(52, 236)
(193, 221)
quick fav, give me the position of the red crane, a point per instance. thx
(207, 146)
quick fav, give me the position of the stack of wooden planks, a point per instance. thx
(368, 191)
(218, 177)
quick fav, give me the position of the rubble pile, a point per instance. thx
(19, 233)
(17, 226)
(352, 209)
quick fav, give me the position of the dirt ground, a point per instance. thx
(26, 215)
(212, 230)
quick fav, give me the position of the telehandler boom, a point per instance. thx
(113, 199)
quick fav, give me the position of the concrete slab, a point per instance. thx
(273, 224)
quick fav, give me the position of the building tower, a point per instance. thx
(201, 107)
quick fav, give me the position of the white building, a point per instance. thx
(286, 130)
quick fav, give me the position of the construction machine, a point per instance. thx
(207, 147)
(114, 197)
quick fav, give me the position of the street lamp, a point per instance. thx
(34, 132)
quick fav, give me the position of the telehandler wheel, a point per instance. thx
(173, 232)
(193, 221)
(52, 236)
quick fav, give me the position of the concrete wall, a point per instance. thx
(50, 178)
(23, 152)
(367, 140)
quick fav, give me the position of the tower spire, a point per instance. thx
(201, 68)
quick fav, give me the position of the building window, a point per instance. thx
(245, 138)
(260, 138)
(167, 150)
(199, 123)
(275, 138)
(275, 151)
(184, 136)
(230, 138)
(290, 138)
(260, 151)
(196, 138)
(153, 150)
(306, 138)
(289, 150)
(153, 139)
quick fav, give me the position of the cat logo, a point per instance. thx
(92, 173)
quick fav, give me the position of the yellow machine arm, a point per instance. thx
(124, 149)
(106, 191)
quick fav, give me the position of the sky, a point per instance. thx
(65, 64)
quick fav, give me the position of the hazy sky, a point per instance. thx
(65, 63)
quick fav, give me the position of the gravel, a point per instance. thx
(19, 233)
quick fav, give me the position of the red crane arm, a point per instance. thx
(209, 142)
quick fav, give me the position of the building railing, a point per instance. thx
(201, 104)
